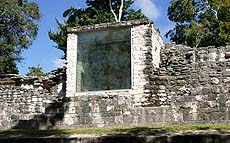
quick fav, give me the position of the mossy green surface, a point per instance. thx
(118, 130)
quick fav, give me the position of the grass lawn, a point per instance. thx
(117, 130)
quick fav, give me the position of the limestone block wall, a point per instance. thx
(193, 82)
(30, 102)
(38, 102)
(115, 107)
(170, 84)
(71, 64)
(190, 86)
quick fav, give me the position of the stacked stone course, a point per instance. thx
(24, 97)
(170, 84)
(193, 81)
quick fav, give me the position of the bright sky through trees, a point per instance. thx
(42, 53)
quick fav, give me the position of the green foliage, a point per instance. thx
(196, 23)
(18, 29)
(7, 65)
(35, 71)
(97, 11)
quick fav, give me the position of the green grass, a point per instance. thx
(116, 130)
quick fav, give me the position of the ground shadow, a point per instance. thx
(132, 135)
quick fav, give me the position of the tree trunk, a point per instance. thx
(210, 8)
(120, 10)
(111, 8)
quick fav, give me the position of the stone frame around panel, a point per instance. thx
(139, 48)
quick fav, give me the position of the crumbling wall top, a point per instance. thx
(53, 77)
(108, 25)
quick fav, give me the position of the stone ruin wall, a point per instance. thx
(195, 83)
(188, 86)
(115, 107)
(28, 101)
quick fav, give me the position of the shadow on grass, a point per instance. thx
(118, 135)
(141, 131)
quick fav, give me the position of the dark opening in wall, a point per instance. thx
(188, 56)
(227, 55)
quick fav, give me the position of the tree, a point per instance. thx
(35, 71)
(120, 10)
(97, 11)
(200, 22)
(18, 28)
